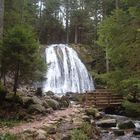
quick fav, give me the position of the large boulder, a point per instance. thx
(53, 104)
(36, 108)
(64, 101)
(49, 93)
(106, 123)
(126, 125)
(26, 101)
(36, 100)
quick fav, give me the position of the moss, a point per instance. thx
(91, 112)
(131, 109)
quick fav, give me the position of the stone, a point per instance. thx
(41, 135)
(36, 108)
(66, 137)
(118, 132)
(136, 132)
(91, 111)
(86, 118)
(106, 123)
(39, 92)
(126, 125)
(49, 93)
(98, 115)
(45, 104)
(36, 100)
(53, 104)
(64, 101)
(26, 101)
(49, 110)
(51, 130)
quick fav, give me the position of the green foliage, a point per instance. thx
(8, 136)
(20, 55)
(88, 129)
(8, 123)
(119, 34)
(78, 135)
(132, 109)
(85, 132)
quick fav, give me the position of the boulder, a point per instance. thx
(136, 132)
(51, 130)
(126, 125)
(53, 104)
(45, 104)
(107, 123)
(36, 100)
(41, 135)
(39, 92)
(91, 111)
(86, 118)
(118, 132)
(49, 93)
(64, 101)
(66, 137)
(26, 101)
(36, 108)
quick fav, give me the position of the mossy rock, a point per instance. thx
(27, 101)
(36, 108)
(126, 125)
(53, 104)
(64, 102)
(10, 97)
(91, 112)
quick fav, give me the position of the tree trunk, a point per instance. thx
(16, 79)
(107, 61)
(103, 8)
(96, 23)
(1, 18)
(76, 35)
(117, 4)
(67, 21)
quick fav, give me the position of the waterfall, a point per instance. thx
(66, 72)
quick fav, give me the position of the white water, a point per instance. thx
(66, 72)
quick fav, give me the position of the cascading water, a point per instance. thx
(66, 72)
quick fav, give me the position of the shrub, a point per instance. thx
(87, 129)
(8, 137)
(131, 109)
(78, 135)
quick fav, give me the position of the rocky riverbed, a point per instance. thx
(59, 118)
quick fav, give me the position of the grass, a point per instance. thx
(8, 136)
(8, 123)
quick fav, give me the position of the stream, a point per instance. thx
(128, 134)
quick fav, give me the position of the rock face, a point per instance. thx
(126, 125)
(107, 123)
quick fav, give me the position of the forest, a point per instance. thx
(104, 33)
